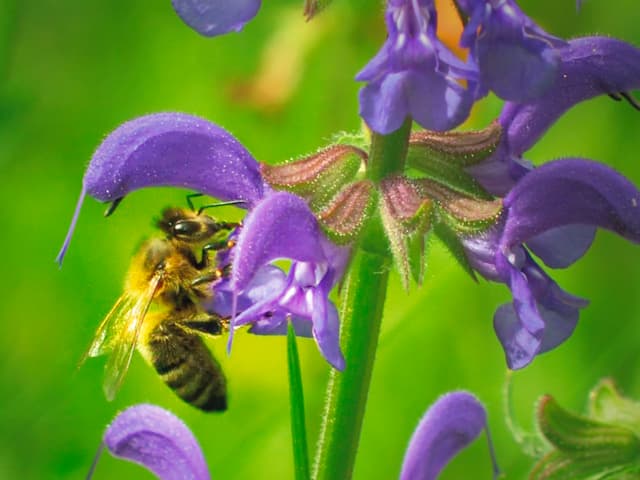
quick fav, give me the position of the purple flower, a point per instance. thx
(448, 426)
(414, 75)
(589, 67)
(175, 149)
(157, 440)
(553, 210)
(516, 58)
(216, 17)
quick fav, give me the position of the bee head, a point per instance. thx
(186, 225)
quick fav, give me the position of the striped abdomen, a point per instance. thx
(186, 365)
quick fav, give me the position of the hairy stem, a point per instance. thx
(362, 302)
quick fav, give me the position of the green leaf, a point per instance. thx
(296, 399)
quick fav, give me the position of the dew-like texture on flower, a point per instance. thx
(170, 149)
(448, 426)
(282, 226)
(554, 207)
(157, 440)
(516, 58)
(216, 17)
(414, 74)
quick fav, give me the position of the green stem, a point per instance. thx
(362, 302)
(388, 152)
(298, 430)
(361, 313)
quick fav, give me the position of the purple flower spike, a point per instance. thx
(590, 66)
(516, 58)
(216, 17)
(157, 440)
(170, 149)
(448, 426)
(414, 75)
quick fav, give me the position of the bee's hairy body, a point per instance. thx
(166, 272)
(185, 364)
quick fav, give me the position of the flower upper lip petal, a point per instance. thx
(589, 67)
(448, 426)
(158, 440)
(173, 149)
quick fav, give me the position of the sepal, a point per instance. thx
(461, 148)
(464, 214)
(584, 448)
(314, 7)
(348, 212)
(607, 405)
(406, 217)
(317, 177)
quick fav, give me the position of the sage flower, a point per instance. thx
(414, 75)
(552, 211)
(175, 149)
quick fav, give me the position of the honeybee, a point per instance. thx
(160, 312)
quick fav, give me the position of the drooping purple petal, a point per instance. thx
(280, 226)
(305, 301)
(541, 316)
(569, 192)
(216, 17)
(562, 246)
(516, 58)
(170, 149)
(157, 440)
(589, 67)
(448, 426)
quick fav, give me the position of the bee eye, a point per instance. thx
(186, 228)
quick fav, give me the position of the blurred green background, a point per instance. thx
(72, 70)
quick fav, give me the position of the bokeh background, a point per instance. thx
(72, 70)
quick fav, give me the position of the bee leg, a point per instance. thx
(212, 246)
(210, 324)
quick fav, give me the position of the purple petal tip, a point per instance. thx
(448, 426)
(72, 226)
(157, 440)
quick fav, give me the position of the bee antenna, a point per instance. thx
(190, 196)
(220, 204)
(112, 206)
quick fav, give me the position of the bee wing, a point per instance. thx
(109, 328)
(120, 334)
